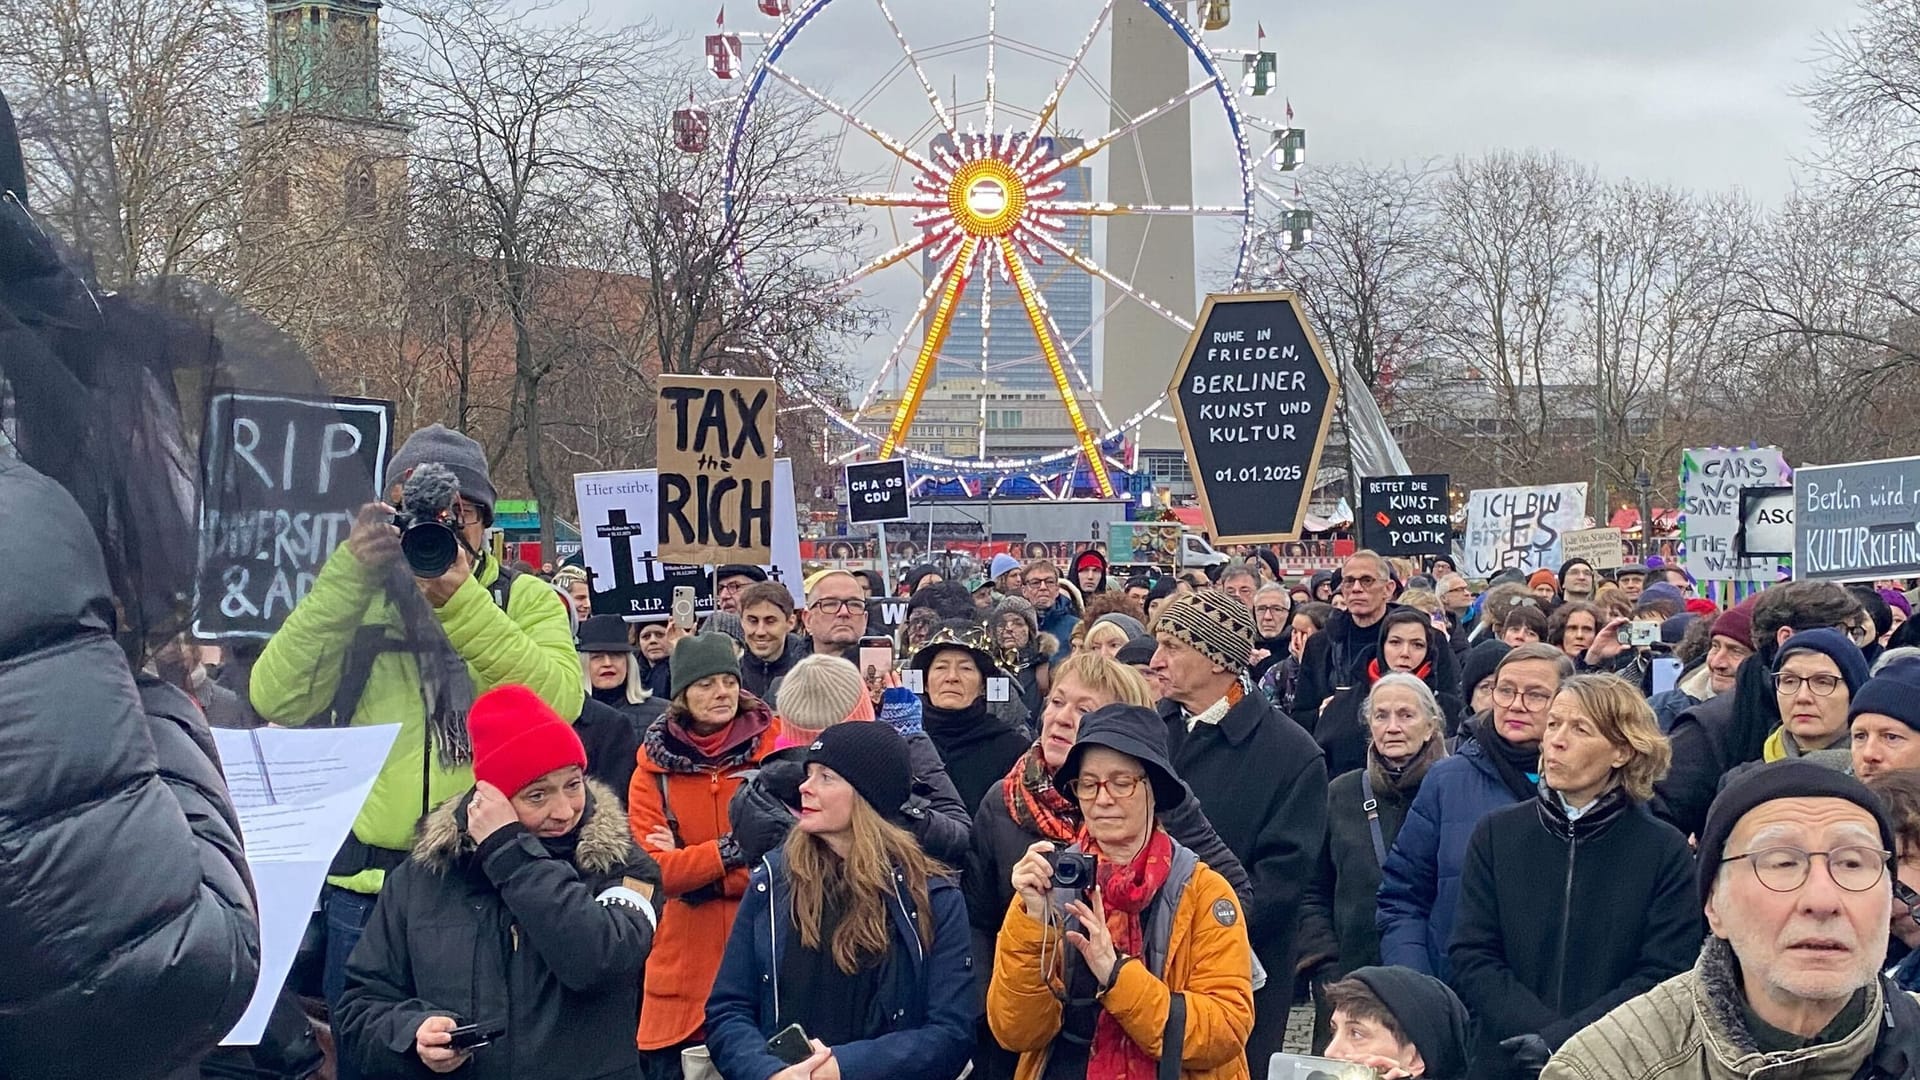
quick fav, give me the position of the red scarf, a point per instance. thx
(1126, 890)
(1033, 802)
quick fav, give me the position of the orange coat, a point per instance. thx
(1210, 963)
(692, 937)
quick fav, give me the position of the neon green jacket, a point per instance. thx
(297, 675)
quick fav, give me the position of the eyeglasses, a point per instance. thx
(732, 586)
(1270, 609)
(1359, 582)
(1087, 789)
(1042, 582)
(1790, 684)
(1855, 868)
(1531, 700)
(839, 607)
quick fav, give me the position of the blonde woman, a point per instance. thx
(1580, 899)
(849, 931)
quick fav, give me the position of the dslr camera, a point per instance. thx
(429, 531)
(1071, 869)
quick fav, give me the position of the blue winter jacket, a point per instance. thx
(1059, 620)
(1420, 883)
(930, 999)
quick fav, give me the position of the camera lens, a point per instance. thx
(430, 548)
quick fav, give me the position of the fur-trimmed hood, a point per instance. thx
(605, 845)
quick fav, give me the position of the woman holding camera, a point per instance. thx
(691, 762)
(850, 932)
(1147, 957)
(511, 941)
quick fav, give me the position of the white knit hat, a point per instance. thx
(822, 691)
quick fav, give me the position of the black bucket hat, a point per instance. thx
(604, 633)
(1133, 730)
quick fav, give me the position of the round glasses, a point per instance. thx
(1855, 868)
(1532, 700)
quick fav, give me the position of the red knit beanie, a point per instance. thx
(518, 738)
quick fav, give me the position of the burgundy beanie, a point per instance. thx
(518, 738)
(1737, 621)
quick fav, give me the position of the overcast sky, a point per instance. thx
(1696, 93)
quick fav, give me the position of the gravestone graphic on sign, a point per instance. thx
(877, 491)
(1253, 395)
(283, 478)
(1405, 515)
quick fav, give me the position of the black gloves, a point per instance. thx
(760, 819)
(1529, 1053)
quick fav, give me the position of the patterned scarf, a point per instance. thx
(1126, 890)
(1037, 808)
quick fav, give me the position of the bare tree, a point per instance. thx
(511, 106)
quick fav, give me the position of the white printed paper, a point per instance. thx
(297, 793)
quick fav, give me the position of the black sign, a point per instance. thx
(1857, 522)
(643, 585)
(877, 491)
(1252, 395)
(1405, 515)
(283, 478)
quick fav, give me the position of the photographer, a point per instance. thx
(379, 640)
(1143, 955)
(525, 911)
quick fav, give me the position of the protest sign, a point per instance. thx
(1156, 542)
(877, 491)
(1520, 528)
(1857, 522)
(1601, 548)
(1710, 482)
(296, 794)
(715, 499)
(282, 478)
(1405, 515)
(1766, 523)
(620, 552)
(1252, 395)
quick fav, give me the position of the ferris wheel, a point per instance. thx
(988, 203)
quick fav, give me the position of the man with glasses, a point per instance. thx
(1335, 658)
(1272, 627)
(1731, 729)
(728, 583)
(1796, 886)
(836, 614)
(1497, 764)
(1053, 609)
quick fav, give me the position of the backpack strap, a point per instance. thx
(1173, 1039)
(502, 587)
(666, 809)
(1371, 807)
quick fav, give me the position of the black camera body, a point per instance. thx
(1071, 869)
(429, 532)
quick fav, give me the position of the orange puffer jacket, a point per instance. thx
(702, 894)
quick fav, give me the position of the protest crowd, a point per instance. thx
(1019, 819)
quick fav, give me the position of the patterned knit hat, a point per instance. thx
(1214, 623)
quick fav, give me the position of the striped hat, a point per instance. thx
(1214, 623)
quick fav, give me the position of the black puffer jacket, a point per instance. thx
(762, 808)
(126, 911)
(510, 931)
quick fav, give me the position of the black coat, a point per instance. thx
(1261, 782)
(611, 734)
(507, 932)
(1559, 922)
(1710, 740)
(126, 909)
(1333, 658)
(762, 808)
(1337, 912)
(758, 676)
(1341, 732)
(977, 746)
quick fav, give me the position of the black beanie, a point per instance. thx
(874, 759)
(1431, 1014)
(1794, 778)
(1894, 692)
(1481, 661)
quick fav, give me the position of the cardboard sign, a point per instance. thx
(1253, 396)
(1521, 528)
(1857, 522)
(877, 491)
(1602, 548)
(1766, 523)
(618, 548)
(283, 478)
(1711, 480)
(715, 501)
(1406, 515)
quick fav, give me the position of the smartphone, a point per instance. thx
(683, 606)
(475, 1036)
(790, 1045)
(1645, 633)
(1303, 1067)
(876, 659)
